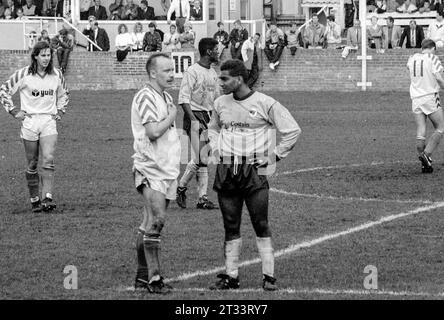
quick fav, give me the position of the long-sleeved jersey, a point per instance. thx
(246, 127)
(38, 95)
(423, 67)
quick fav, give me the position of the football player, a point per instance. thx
(44, 97)
(241, 133)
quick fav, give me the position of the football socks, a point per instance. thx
(202, 181)
(433, 142)
(189, 173)
(232, 251)
(266, 252)
(32, 178)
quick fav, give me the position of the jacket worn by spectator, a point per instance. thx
(99, 12)
(277, 37)
(147, 14)
(408, 34)
(152, 42)
(354, 37)
(222, 37)
(314, 34)
(391, 36)
(237, 35)
(130, 12)
(99, 37)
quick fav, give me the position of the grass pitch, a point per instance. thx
(359, 146)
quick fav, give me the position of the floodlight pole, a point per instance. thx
(363, 57)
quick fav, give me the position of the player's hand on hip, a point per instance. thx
(22, 115)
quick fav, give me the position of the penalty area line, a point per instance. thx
(307, 244)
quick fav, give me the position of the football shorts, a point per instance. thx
(166, 187)
(203, 117)
(426, 104)
(37, 126)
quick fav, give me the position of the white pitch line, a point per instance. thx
(325, 197)
(307, 244)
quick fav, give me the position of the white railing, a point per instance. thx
(253, 24)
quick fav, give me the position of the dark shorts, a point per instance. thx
(203, 117)
(241, 180)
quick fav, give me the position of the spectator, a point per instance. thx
(29, 9)
(187, 38)
(314, 33)
(392, 5)
(413, 35)
(292, 38)
(438, 6)
(196, 11)
(160, 32)
(63, 43)
(182, 10)
(96, 35)
(349, 13)
(8, 14)
(251, 55)
(171, 39)
(381, 6)
(274, 45)
(20, 15)
(222, 38)
(371, 5)
(44, 36)
(407, 7)
(145, 12)
(353, 39)
(237, 37)
(374, 35)
(98, 11)
(124, 42)
(332, 32)
(423, 6)
(436, 31)
(84, 9)
(12, 8)
(49, 8)
(32, 39)
(391, 34)
(130, 11)
(151, 40)
(138, 36)
(2, 11)
(116, 10)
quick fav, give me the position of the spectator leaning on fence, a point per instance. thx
(374, 35)
(314, 33)
(436, 31)
(353, 39)
(274, 45)
(237, 37)
(292, 38)
(222, 38)
(332, 33)
(391, 34)
(407, 7)
(151, 40)
(413, 35)
(171, 39)
(124, 42)
(137, 37)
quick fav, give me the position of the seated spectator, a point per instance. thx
(252, 57)
(137, 37)
(7, 14)
(274, 45)
(63, 43)
(371, 6)
(332, 33)
(353, 39)
(44, 36)
(29, 9)
(407, 7)
(182, 11)
(97, 35)
(381, 6)
(196, 11)
(145, 12)
(115, 10)
(98, 11)
(171, 40)
(187, 38)
(392, 5)
(413, 35)
(84, 9)
(160, 32)
(292, 38)
(436, 31)
(20, 15)
(130, 11)
(314, 34)
(222, 38)
(237, 37)
(374, 35)
(423, 6)
(151, 40)
(124, 42)
(391, 34)
(12, 9)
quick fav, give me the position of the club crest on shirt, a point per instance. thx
(253, 113)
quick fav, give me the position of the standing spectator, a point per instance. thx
(145, 12)
(413, 35)
(98, 11)
(237, 37)
(349, 13)
(63, 43)
(274, 45)
(171, 39)
(196, 11)
(222, 38)
(292, 38)
(84, 9)
(130, 11)
(374, 35)
(96, 35)
(251, 54)
(44, 36)
(353, 39)
(187, 38)
(407, 7)
(182, 10)
(138, 36)
(391, 34)
(29, 9)
(116, 10)
(124, 42)
(12, 8)
(332, 32)
(151, 40)
(314, 33)
(436, 31)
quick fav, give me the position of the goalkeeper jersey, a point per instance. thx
(38, 95)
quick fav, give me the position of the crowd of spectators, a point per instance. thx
(21, 9)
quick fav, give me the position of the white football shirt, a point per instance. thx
(423, 67)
